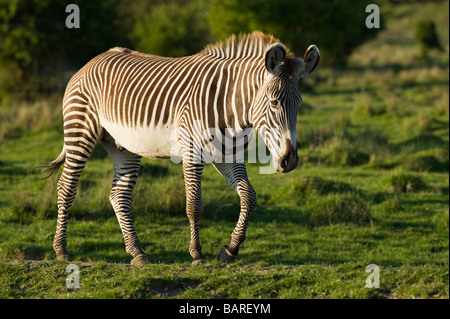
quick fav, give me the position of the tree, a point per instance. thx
(335, 26)
(35, 42)
(174, 28)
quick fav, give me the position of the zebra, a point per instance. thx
(141, 105)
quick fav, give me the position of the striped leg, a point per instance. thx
(236, 175)
(126, 168)
(67, 190)
(80, 138)
(194, 207)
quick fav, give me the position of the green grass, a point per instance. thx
(372, 188)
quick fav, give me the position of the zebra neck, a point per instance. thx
(247, 80)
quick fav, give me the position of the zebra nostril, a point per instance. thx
(284, 163)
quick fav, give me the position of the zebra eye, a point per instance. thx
(274, 102)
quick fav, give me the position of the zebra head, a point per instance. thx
(275, 111)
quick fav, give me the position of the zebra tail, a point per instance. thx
(53, 166)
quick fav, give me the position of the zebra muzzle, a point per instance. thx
(290, 161)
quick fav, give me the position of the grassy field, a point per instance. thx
(372, 188)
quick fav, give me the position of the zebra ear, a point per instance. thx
(309, 62)
(274, 55)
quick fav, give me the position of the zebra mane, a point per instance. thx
(245, 45)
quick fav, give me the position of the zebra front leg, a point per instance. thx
(194, 207)
(236, 175)
(126, 168)
(120, 198)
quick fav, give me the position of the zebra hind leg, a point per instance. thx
(67, 190)
(77, 150)
(126, 168)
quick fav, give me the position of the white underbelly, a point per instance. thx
(152, 142)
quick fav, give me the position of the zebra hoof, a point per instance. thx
(199, 261)
(139, 260)
(62, 257)
(225, 257)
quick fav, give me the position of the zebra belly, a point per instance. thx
(152, 142)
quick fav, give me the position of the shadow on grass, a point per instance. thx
(12, 168)
(154, 170)
(422, 142)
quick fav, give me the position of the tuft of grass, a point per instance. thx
(342, 152)
(353, 149)
(342, 120)
(316, 136)
(376, 160)
(405, 183)
(425, 164)
(442, 221)
(317, 186)
(393, 206)
(29, 118)
(340, 208)
(442, 155)
(307, 188)
(442, 104)
(22, 207)
(424, 122)
(371, 106)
